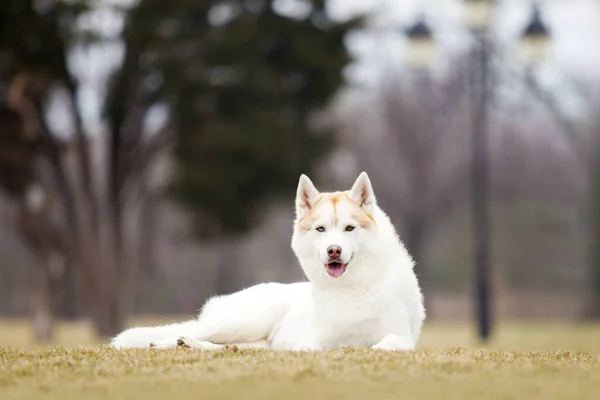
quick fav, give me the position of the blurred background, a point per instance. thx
(150, 150)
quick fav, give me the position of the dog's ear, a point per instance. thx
(306, 196)
(362, 193)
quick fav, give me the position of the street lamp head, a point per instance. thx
(419, 30)
(535, 40)
(422, 46)
(478, 14)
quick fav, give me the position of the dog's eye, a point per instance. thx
(349, 228)
(320, 229)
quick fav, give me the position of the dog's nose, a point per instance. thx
(334, 251)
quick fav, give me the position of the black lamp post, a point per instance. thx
(534, 46)
(479, 14)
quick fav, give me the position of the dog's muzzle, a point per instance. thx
(335, 268)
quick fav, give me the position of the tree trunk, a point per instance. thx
(43, 314)
(109, 317)
(46, 295)
(117, 303)
(147, 236)
(113, 308)
(593, 309)
(228, 280)
(105, 296)
(69, 306)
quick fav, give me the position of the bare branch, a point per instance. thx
(84, 157)
(571, 133)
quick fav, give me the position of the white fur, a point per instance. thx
(376, 303)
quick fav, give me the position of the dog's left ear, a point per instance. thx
(306, 196)
(362, 193)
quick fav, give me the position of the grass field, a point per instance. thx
(540, 361)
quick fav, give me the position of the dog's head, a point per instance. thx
(336, 235)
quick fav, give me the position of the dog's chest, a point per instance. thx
(360, 325)
(364, 333)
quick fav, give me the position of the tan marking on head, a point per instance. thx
(364, 219)
(335, 198)
(304, 224)
(318, 201)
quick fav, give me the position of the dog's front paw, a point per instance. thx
(188, 343)
(393, 342)
(163, 344)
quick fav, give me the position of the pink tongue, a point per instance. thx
(335, 270)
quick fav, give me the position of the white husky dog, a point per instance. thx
(362, 290)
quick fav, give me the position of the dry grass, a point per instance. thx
(549, 361)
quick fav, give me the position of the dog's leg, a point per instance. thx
(164, 336)
(185, 342)
(393, 342)
(247, 316)
(204, 345)
(198, 344)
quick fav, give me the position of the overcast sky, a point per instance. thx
(574, 26)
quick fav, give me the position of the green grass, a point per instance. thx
(541, 361)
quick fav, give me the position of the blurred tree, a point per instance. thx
(240, 82)
(61, 212)
(33, 48)
(586, 150)
(430, 158)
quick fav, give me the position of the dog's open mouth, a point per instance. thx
(335, 269)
